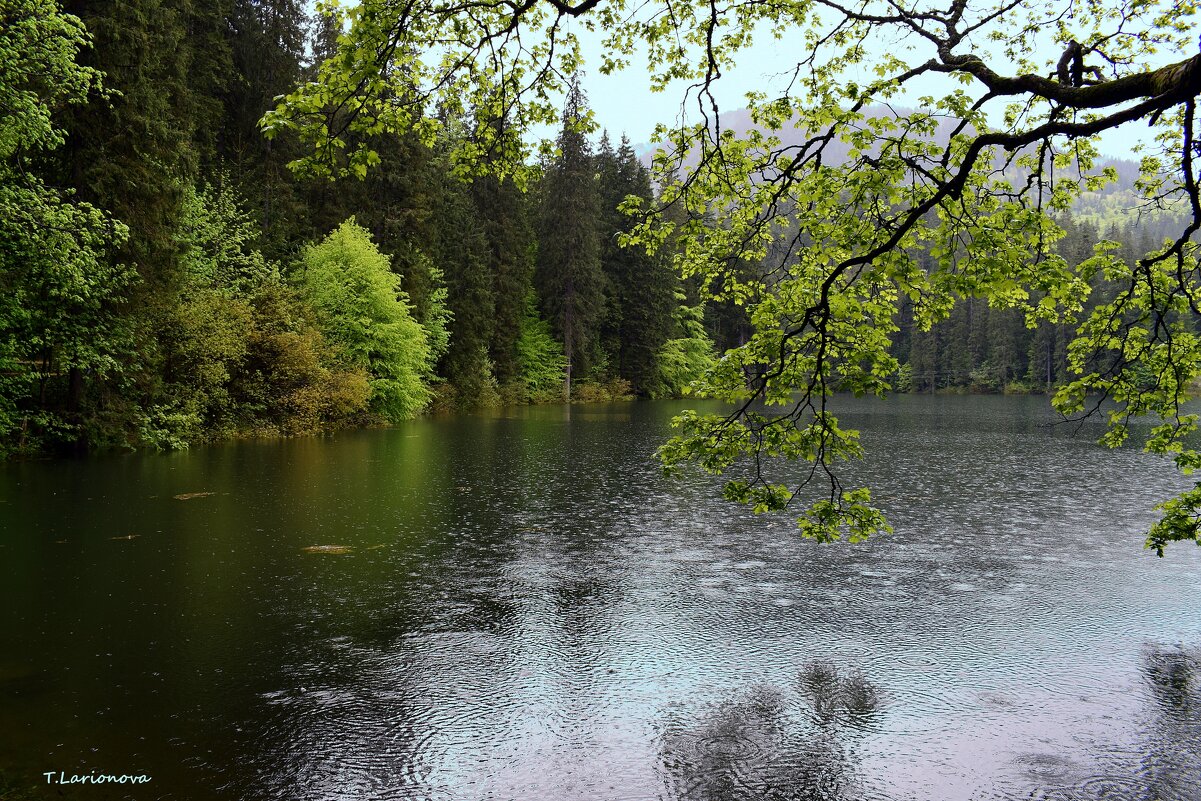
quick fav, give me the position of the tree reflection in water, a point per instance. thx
(1172, 766)
(774, 744)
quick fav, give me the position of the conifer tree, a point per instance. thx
(460, 251)
(131, 151)
(502, 212)
(687, 355)
(127, 150)
(568, 272)
(608, 225)
(640, 287)
(268, 39)
(209, 75)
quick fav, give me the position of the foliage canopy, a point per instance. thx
(364, 312)
(834, 213)
(56, 284)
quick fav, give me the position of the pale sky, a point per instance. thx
(623, 103)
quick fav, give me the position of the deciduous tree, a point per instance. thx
(1010, 96)
(57, 280)
(362, 310)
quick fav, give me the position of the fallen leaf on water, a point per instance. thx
(337, 550)
(187, 496)
(126, 537)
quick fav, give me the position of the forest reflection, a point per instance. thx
(1172, 761)
(774, 743)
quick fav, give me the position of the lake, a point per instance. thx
(518, 605)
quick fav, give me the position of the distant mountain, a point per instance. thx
(1116, 203)
(740, 122)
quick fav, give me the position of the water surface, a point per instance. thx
(528, 610)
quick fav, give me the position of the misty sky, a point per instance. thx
(623, 103)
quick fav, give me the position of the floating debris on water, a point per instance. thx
(187, 496)
(337, 550)
(126, 537)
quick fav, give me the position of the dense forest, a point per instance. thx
(167, 278)
(989, 348)
(214, 292)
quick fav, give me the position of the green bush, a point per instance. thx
(615, 389)
(290, 382)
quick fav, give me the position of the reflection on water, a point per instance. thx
(774, 744)
(521, 607)
(1173, 676)
(1172, 764)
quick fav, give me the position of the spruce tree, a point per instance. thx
(268, 41)
(460, 251)
(568, 273)
(127, 150)
(640, 287)
(608, 225)
(503, 213)
(209, 75)
(131, 151)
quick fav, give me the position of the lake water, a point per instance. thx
(524, 608)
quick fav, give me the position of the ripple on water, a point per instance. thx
(551, 622)
(1055, 793)
(845, 652)
(915, 661)
(1111, 788)
(1053, 781)
(730, 745)
(921, 710)
(1043, 768)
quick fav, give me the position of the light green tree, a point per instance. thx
(837, 188)
(206, 325)
(363, 312)
(438, 317)
(218, 240)
(685, 357)
(541, 364)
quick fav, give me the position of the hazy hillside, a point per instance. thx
(1117, 204)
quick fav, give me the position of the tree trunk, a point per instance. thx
(570, 357)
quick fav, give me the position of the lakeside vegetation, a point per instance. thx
(179, 264)
(169, 280)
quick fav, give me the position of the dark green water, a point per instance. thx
(530, 611)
